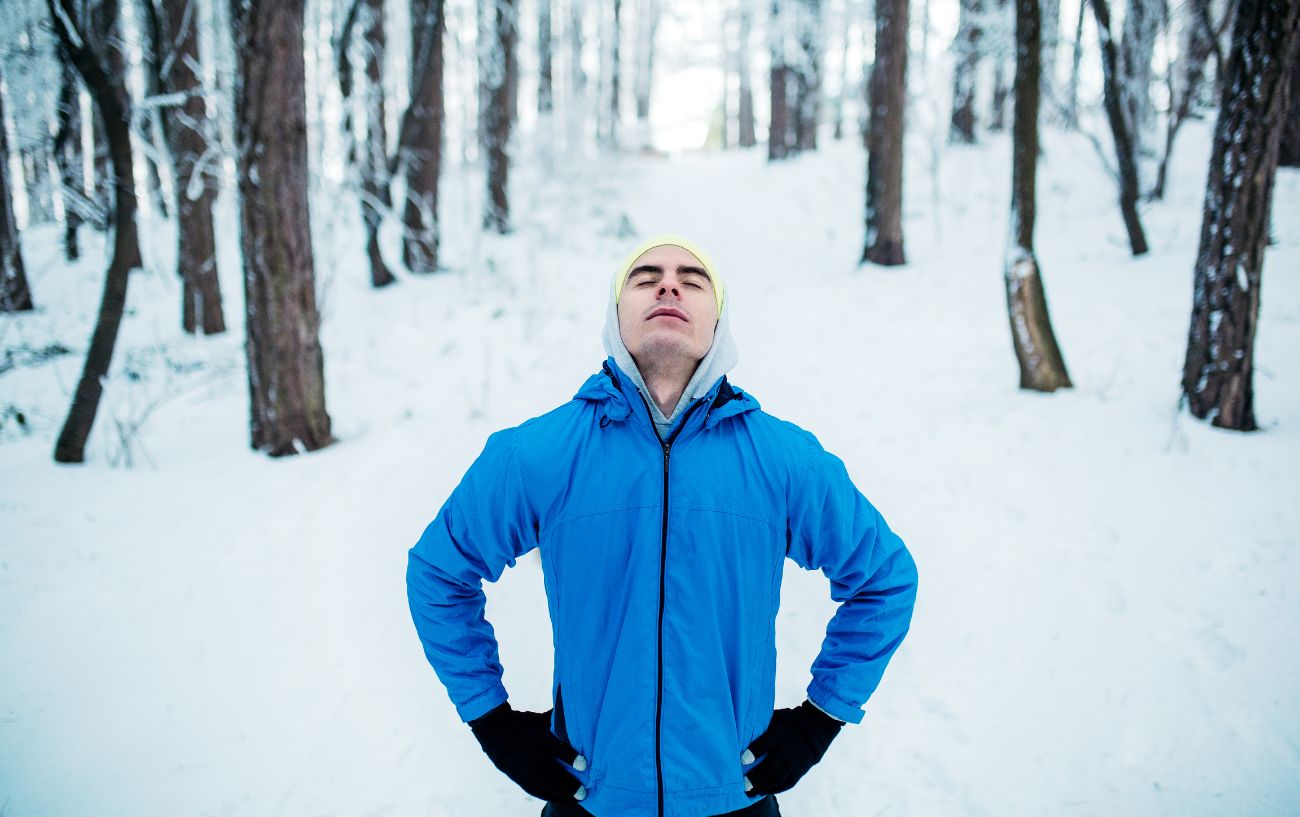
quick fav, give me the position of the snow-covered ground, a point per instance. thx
(1110, 591)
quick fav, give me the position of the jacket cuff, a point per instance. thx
(825, 700)
(482, 703)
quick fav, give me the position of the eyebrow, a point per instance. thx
(681, 270)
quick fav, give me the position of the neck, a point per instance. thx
(666, 380)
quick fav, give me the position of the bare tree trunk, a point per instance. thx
(500, 116)
(108, 19)
(616, 37)
(998, 113)
(1076, 58)
(40, 191)
(645, 56)
(372, 163)
(149, 125)
(746, 136)
(779, 127)
(838, 132)
(1289, 151)
(1219, 367)
(576, 103)
(84, 45)
(187, 133)
(421, 142)
(68, 157)
(15, 295)
(1124, 153)
(967, 48)
(1051, 36)
(1041, 365)
(884, 214)
(1191, 67)
(286, 377)
(807, 75)
(545, 81)
(1136, 51)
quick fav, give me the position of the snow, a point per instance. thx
(1109, 595)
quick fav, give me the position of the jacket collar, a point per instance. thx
(618, 397)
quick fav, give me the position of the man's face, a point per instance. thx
(667, 309)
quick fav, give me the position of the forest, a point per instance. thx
(272, 271)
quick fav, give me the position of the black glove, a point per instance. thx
(794, 742)
(522, 746)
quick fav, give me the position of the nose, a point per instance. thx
(667, 284)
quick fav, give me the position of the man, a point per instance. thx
(664, 502)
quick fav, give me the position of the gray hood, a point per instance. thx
(721, 357)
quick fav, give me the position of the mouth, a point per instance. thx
(667, 312)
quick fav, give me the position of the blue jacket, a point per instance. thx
(662, 562)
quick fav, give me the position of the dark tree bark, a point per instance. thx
(500, 116)
(107, 18)
(373, 160)
(1124, 149)
(780, 122)
(746, 136)
(545, 80)
(1220, 362)
(421, 139)
(68, 157)
(15, 295)
(1191, 67)
(967, 47)
(196, 190)
(1289, 151)
(87, 44)
(286, 378)
(888, 91)
(1041, 365)
(807, 76)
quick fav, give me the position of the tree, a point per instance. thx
(180, 75)
(888, 102)
(647, 28)
(87, 40)
(746, 136)
(967, 51)
(779, 127)
(67, 156)
(1289, 151)
(1041, 365)
(373, 161)
(286, 377)
(15, 296)
(500, 114)
(1113, 101)
(807, 74)
(420, 140)
(1196, 50)
(1136, 50)
(545, 72)
(1219, 367)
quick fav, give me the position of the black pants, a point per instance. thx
(763, 808)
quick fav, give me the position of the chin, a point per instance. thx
(669, 346)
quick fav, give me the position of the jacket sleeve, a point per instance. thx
(482, 528)
(833, 528)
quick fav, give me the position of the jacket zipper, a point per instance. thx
(663, 562)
